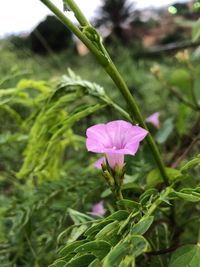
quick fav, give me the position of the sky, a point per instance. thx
(21, 16)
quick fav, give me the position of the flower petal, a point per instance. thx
(154, 119)
(116, 130)
(115, 139)
(98, 209)
(97, 138)
(99, 162)
(115, 159)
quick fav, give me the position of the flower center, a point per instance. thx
(114, 147)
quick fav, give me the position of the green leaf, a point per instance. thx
(58, 263)
(196, 31)
(109, 233)
(94, 229)
(129, 204)
(163, 134)
(95, 263)
(195, 191)
(142, 226)
(154, 177)
(82, 261)
(72, 233)
(78, 217)
(186, 256)
(181, 79)
(118, 215)
(148, 195)
(135, 188)
(186, 196)
(127, 261)
(134, 246)
(116, 255)
(181, 120)
(197, 84)
(107, 192)
(191, 164)
(138, 245)
(67, 250)
(98, 248)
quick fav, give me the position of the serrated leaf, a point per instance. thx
(186, 256)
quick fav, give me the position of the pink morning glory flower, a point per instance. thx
(114, 139)
(154, 119)
(98, 209)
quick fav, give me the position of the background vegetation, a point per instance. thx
(47, 178)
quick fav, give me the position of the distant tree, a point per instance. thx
(50, 35)
(115, 13)
(182, 8)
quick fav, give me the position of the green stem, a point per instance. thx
(69, 24)
(135, 112)
(117, 107)
(133, 262)
(114, 74)
(77, 13)
(118, 193)
(157, 202)
(194, 98)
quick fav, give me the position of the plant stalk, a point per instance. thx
(113, 73)
(77, 13)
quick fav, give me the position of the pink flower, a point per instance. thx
(98, 209)
(154, 119)
(114, 139)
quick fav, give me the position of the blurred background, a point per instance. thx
(141, 24)
(146, 29)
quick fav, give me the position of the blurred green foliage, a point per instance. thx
(48, 181)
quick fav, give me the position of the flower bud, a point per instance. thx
(183, 56)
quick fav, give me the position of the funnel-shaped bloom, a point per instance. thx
(115, 139)
(98, 209)
(154, 119)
